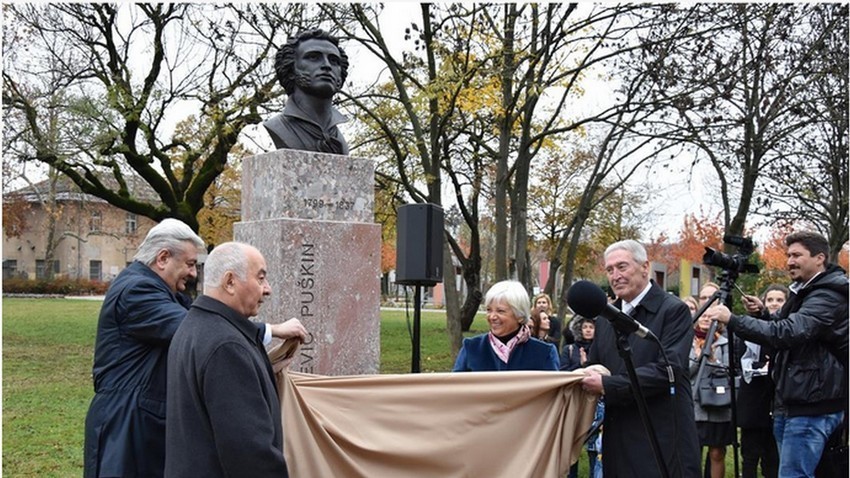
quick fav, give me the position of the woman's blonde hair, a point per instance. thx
(551, 309)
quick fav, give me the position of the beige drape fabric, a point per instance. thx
(473, 424)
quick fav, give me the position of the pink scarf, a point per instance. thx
(503, 351)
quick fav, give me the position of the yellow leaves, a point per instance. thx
(222, 202)
(482, 97)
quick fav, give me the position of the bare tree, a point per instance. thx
(410, 117)
(738, 85)
(809, 183)
(128, 71)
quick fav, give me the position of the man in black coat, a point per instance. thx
(125, 424)
(625, 445)
(223, 409)
(809, 366)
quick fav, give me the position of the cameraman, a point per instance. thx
(810, 339)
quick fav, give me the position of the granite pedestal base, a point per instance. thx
(326, 274)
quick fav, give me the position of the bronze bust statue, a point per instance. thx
(311, 67)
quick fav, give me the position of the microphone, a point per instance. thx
(589, 300)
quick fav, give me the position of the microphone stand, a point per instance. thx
(625, 351)
(724, 296)
(417, 320)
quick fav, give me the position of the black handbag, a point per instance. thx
(713, 389)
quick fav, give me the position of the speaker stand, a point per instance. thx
(417, 315)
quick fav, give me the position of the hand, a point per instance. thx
(582, 356)
(753, 304)
(719, 313)
(291, 329)
(592, 382)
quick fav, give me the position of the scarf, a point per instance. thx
(503, 351)
(699, 342)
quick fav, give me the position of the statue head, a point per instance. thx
(290, 62)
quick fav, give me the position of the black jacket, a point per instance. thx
(224, 415)
(810, 343)
(625, 444)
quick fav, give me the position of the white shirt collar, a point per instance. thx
(796, 287)
(629, 306)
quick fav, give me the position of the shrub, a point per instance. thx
(60, 286)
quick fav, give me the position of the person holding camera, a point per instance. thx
(809, 367)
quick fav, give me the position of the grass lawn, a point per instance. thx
(47, 359)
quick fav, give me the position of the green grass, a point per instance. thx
(435, 354)
(47, 359)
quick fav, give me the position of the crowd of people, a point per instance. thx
(160, 355)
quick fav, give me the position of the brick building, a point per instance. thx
(91, 239)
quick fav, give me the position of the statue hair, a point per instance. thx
(284, 63)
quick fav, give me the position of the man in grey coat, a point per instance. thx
(223, 409)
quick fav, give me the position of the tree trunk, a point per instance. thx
(453, 317)
(505, 123)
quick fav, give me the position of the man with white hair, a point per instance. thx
(125, 424)
(223, 409)
(625, 442)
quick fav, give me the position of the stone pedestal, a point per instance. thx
(310, 215)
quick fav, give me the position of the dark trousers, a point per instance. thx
(758, 444)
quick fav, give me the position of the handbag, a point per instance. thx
(713, 389)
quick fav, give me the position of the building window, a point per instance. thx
(41, 268)
(95, 222)
(10, 268)
(130, 223)
(95, 270)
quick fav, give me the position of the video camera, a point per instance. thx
(738, 261)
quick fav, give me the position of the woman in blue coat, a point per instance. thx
(508, 345)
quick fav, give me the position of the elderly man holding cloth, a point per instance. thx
(625, 444)
(223, 408)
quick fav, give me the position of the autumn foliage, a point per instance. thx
(697, 233)
(388, 256)
(15, 213)
(773, 251)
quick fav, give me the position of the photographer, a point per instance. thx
(810, 339)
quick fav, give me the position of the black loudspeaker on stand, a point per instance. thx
(419, 257)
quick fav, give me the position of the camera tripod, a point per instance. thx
(723, 296)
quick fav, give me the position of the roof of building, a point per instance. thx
(67, 190)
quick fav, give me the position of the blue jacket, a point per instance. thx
(476, 355)
(125, 424)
